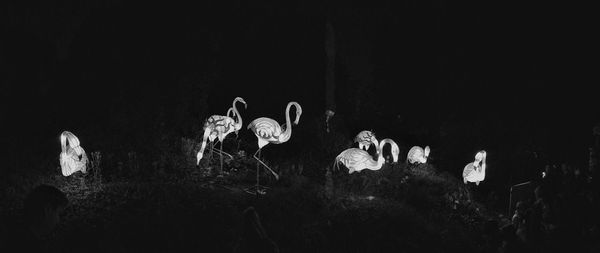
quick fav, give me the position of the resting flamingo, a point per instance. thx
(356, 159)
(269, 131)
(475, 171)
(218, 127)
(417, 155)
(365, 138)
(72, 156)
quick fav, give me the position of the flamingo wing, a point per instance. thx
(354, 158)
(469, 172)
(265, 128)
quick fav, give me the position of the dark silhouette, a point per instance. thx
(254, 236)
(41, 213)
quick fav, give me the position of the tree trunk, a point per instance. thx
(330, 73)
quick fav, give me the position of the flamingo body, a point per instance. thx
(417, 155)
(72, 157)
(356, 159)
(475, 171)
(217, 127)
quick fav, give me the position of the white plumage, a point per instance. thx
(417, 155)
(356, 159)
(269, 131)
(365, 138)
(218, 127)
(475, 171)
(72, 157)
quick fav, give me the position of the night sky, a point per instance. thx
(515, 69)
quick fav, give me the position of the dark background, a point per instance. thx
(458, 76)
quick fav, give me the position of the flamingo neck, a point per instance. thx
(238, 123)
(285, 136)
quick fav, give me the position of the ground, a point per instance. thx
(395, 209)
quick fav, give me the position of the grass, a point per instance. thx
(172, 205)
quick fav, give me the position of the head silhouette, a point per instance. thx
(42, 208)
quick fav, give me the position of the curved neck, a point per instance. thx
(63, 143)
(381, 145)
(376, 143)
(239, 117)
(483, 166)
(288, 124)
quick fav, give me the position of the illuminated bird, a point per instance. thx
(365, 138)
(269, 131)
(356, 159)
(218, 127)
(475, 172)
(417, 155)
(72, 156)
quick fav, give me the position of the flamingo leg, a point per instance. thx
(211, 151)
(261, 162)
(221, 153)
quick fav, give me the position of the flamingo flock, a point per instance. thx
(268, 131)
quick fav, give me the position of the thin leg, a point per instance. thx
(221, 153)
(258, 189)
(269, 168)
(211, 151)
(257, 174)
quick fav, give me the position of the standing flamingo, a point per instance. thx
(268, 131)
(475, 171)
(72, 156)
(417, 155)
(356, 159)
(365, 138)
(218, 127)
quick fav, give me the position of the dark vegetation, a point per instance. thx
(135, 87)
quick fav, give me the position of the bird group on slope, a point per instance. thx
(267, 131)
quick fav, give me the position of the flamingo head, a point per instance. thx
(241, 100)
(427, 150)
(395, 153)
(298, 114)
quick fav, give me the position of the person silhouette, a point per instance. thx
(41, 214)
(254, 236)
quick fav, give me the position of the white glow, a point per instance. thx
(356, 159)
(475, 171)
(328, 115)
(268, 131)
(218, 127)
(72, 156)
(417, 155)
(365, 139)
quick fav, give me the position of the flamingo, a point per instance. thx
(356, 159)
(365, 138)
(417, 155)
(269, 131)
(72, 157)
(218, 127)
(475, 171)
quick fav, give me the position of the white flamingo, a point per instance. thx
(365, 138)
(356, 159)
(417, 155)
(475, 171)
(218, 127)
(269, 131)
(72, 156)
